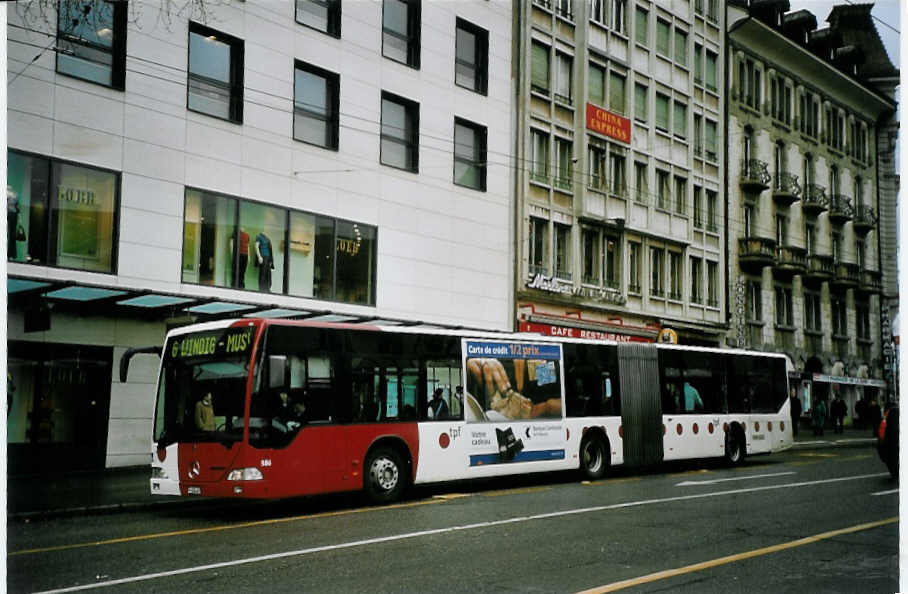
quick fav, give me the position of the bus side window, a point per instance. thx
(319, 388)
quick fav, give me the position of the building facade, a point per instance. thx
(341, 161)
(619, 219)
(804, 200)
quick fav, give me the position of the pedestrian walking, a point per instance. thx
(839, 409)
(795, 411)
(874, 416)
(819, 417)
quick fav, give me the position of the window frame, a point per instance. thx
(117, 49)
(412, 37)
(332, 100)
(235, 87)
(333, 19)
(411, 113)
(481, 53)
(480, 134)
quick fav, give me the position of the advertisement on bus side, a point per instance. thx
(513, 401)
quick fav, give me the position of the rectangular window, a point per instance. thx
(784, 315)
(590, 257)
(469, 154)
(562, 251)
(657, 271)
(642, 26)
(681, 47)
(641, 96)
(563, 87)
(598, 11)
(564, 153)
(538, 242)
(813, 315)
(674, 276)
(698, 207)
(596, 84)
(860, 252)
(836, 246)
(399, 132)
(680, 195)
(663, 191)
(641, 188)
(633, 267)
(680, 120)
(698, 63)
(754, 301)
(400, 31)
(748, 220)
(662, 102)
(322, 15)
(711, 60)
(709, 141)
(91, 37)
(598, 178)
(712, 206)
(712, 283)
(471, 60)
(810, 238)
(315, 106)
(539, 160)
(663, 38)
(698, 134)
(611, 257)
(563, 8)
(619, 177)
(839, 317)
(696, 280)
(619, 7)
(539, 68)
(215, 73)
(61, 214)
(781, 230)
(617, 93)
(749, 80)
(862, 318)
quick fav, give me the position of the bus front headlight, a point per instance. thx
(245, 474)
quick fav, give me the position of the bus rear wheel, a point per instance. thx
(593, 458)
(385, 477)
(734, 446)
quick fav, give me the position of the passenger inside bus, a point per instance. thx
(438, 408)
(692, 400)
(204, 414)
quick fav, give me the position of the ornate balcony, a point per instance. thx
(790, 260)
(865, 219)
(755, 175)
(785, 189)
(871, 282)
(819, 269)
(756, 252)
(840, 209)
(814, 201)
(847, 276)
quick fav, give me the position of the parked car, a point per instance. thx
(888, 440)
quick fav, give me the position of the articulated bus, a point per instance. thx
(268, 408)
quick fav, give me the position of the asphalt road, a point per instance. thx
(818, 521)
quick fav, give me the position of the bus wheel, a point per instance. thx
(734, 446)
(593, 458)
(385, 479)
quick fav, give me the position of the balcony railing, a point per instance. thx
(562, 274)
(755, 175)
(564, 183)
(847, 276)
(865, 218)
(871, 282)
(786, 189)
(840, 209)
(756, 252)
(790, 260)
(814, 201)
(819, 269)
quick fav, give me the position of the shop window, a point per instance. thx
(399, 132)
(469, 155)
(61, 214)
(209, 225)
(400, 31)
(471, 61)
(91, 35)
(315, 106)
(355, 269)
(322, 15)
(215, 83)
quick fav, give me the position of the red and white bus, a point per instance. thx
(268, 408)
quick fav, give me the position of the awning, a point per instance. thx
(848, 380)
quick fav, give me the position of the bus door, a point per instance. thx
(513, 407)
(641, 414)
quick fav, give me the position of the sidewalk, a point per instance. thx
(124, 489)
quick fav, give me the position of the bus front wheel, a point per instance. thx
(734, 446)
(593, 458)
(385, 476)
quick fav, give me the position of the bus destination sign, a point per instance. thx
(230, 341)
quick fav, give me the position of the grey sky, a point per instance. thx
(886, 11)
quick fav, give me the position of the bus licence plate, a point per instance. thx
(194, 490)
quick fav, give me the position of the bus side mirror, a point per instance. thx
(277, 371)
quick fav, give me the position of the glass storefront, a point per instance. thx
(228, 242)
(61, 214)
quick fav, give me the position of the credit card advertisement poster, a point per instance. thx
(508, 383)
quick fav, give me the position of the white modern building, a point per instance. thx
(341, 160)
(807, 173)
(620, 213)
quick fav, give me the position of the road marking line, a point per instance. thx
(816, 455)
(670, 573)
(461, 528)
(889, 492)
(633, 479)
(515, 491)
(737, 478)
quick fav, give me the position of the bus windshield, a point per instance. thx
(202, 388)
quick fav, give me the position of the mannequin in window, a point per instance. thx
(239, 269)
(265, 259)
(12, 222)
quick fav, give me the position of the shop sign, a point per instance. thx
(551, 285)
(608, 123)
(570, 332)
(668, 336)
(854, 381)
